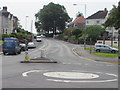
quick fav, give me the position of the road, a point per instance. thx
(71, 71)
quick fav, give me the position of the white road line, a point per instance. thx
(25, 74)
(86, 81)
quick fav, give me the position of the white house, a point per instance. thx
(99, 18)
(8, 22)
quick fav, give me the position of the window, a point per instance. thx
(87, 22)
(97, 21)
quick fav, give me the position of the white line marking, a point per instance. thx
(57, 80)
(25, 74)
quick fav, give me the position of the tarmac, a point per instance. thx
(86, 54)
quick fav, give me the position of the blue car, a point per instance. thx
(11, 45)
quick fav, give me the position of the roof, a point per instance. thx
(99, 15)
(80, 19)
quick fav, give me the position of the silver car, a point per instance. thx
(31, 45)
(105, 48)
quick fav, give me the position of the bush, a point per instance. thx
(5, 36)
(73, 37)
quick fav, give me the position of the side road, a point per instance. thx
(86, 54)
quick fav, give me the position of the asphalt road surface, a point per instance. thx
(71, 71)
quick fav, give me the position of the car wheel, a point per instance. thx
(16, 53)
(4, 53)
(97, 50)
(19, 52)
(113, 51)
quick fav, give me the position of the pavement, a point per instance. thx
(86, 54)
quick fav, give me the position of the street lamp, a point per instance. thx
(85, 27)
(82, 4)
(54, 29)
(26, 22)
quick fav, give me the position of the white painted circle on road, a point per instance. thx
(71, 75)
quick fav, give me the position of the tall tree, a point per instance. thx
(52, 16)
(114, 20)
(114, 17)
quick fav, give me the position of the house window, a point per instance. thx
(97, 21)
(87, 22)
(6, 31)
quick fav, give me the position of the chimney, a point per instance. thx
(105, 9)
(5, 8)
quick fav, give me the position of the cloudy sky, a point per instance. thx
(23, 8)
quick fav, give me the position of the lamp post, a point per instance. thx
(85, 17)
(85, 8)
(54, 29)
(26, 22)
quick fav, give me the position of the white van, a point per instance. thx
(38, 38)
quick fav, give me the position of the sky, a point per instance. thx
(23, 8)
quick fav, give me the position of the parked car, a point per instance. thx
(11, 45)
(24, 47)
(105, 48)
(38, 38)
(31, 45)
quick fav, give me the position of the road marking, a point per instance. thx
(58, 80)
(71, 75)
(80, 56)
(25, 74)
(80, 76)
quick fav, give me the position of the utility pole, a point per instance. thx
(32, 29)
(26, 22)
(119, 45)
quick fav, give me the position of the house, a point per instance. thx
(99, 18)
(7, 21)
(79, 22)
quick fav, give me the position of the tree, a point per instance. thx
(79, 14)
(114, 20)
(93, 32)
(114, 17)
(52, 16)
(77, 32)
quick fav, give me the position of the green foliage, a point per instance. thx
(93, 31)
(108, 55)
(51, 16)
(77, 32)
(1, 42)
(89, 48)
(73, 37)
(79, 14)
(5, 36)
(22, 36)
(114, 17)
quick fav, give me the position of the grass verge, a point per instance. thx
(108, 55)
(1, 42)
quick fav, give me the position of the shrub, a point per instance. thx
(73, 37)
(5, 36)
